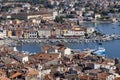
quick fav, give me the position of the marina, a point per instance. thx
(103, 38)
(112, 47)
(110, 42)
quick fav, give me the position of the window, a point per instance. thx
(50, 56)
(40, 56)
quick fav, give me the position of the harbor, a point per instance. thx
(110, 41)
(110, 37)
(112, 47)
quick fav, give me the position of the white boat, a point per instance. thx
(100, 51)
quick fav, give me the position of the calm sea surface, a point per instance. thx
(112, 47)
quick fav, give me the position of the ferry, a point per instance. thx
(100, 51)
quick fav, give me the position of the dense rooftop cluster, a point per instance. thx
(57, 63)
(83, 9)
(53, 17)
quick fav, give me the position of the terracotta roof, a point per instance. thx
(107, 62)
(32, 72)
(46, 56)
(4, 78)
(46, 48)
(104, 63)
(15, 75)
(32, 13)
(62, 48)
(57, 47)
(84, 77)
(3, 73)
(118, 78)
(48, 76)
(83, 55)
(102, 75)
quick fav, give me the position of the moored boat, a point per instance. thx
(100, 51)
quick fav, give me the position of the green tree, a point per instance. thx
(59, 19)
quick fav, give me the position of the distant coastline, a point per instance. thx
(100, 21)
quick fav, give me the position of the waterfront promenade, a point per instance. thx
(103, 38)
(99, 39)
